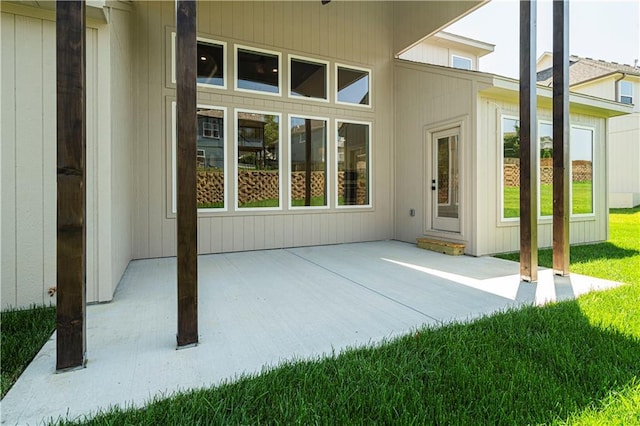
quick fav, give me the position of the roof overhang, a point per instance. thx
(509, 89)
(95, 8)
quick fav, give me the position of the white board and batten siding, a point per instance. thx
(29, 158)
(351, 33)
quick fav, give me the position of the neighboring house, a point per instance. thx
(392, 130)
(616, 82)
(449, 50)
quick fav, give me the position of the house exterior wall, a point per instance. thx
(29, 160)
(456, 99)
(438, 53)
(330, 33)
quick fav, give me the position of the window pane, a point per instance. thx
(462, 63)
(308, 79)
(581, 171)
(210, 64)
(353, 86)
(258, 162)
(626, 92)
(210, 158)
(258, 71)
(308, 162)
(353, 164)
(546, 169)
(511, 167)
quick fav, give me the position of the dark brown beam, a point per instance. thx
(528, 145)
(186, 66)
(561, 135)
(71, 180)
(307, 158)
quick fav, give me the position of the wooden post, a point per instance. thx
(187, 232)
(528, 144)
(71, 182)
(561, 135)
(307, 157)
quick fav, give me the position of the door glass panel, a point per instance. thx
(448, 177)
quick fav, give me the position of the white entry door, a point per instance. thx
(445, 180)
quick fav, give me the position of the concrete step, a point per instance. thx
(440, 246)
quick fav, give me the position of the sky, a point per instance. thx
(604, 29)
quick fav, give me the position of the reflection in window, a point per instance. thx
(626, 92)
(510, 167)
(353, 86)
(210, 63)
(210, 158)
(308, 162)
(353, 164)
(258, 160)
(581, 170)
(308, 79)
(258, 71)
(545, 132)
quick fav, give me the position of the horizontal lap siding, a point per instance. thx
(347, 32)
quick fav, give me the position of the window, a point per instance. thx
(353, 160)
(257, 70)
(308, 154)
(461, 62)
(581, 170)
(545, 170)
(258, 183)
(308, 78)
(211, 64)
(626, 92)
(510, 167)
(210, 158)
(353, 85)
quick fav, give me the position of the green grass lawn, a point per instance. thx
(573, 362)
(582, 199)
(23, 334)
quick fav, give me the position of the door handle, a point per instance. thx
(433, 184)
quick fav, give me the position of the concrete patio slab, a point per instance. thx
(257, 309)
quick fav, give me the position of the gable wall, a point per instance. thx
(356, 33)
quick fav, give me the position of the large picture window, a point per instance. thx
(545, 170)
(354, 85)
(257, 70)
(308, 154)
(308, 78)
(257, 147)
(510, 168)
(581, 170)
(353, 161)
(210, 158)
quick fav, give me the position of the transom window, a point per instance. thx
(461, 62)
(211, 64)
(626, 92)
(353, 85)
(257, 70)
(308, 78)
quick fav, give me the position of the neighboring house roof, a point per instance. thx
(582, 70)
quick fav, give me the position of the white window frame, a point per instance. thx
(327, 161)
(539, 165)
(629, 84)
(235, 160)
(369, 165)
(463, 58)
(593, 174)
(356, 68)
(174, 166)
(225, 75)
(256, 50)
(501, 145)
(326, 78)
